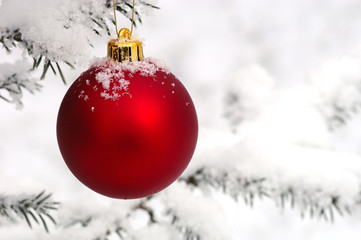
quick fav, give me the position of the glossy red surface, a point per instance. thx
(131, 147)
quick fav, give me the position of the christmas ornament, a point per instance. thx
(127, 127)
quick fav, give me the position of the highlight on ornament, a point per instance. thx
(127, 127)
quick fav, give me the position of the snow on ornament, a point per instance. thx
(127, 127)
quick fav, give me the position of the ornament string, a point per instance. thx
(131, 31)
(115, 19)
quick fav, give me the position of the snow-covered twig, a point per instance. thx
(33, 208)
(338, 84)
(13, 79)
(71, 28)
(249, 189)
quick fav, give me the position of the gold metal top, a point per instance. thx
(124, 49)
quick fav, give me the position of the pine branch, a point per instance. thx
(187, 232)
(306, 201)
(340, 115)
(143, 205)
(91, 18)
(35, 208)
(10, 38)
(230, 183)
(126, 233)
(149, 5)
(13, 80)
(120, 228)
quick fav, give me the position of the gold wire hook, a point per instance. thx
(131, 31)
(115, 19)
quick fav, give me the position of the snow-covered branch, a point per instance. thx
(338, 83)
(312, 203)
(155, 216)
(31, 208)
(56, 32)
(13, 79)
(70, 28)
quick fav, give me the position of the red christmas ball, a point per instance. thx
(127, 130)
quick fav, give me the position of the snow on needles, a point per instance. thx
(14, 77)
(53, 28)
(60, 30)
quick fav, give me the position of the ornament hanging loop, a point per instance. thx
(124, 33)
(131, 31)
(115, 18)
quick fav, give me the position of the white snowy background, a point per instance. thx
(288, 62)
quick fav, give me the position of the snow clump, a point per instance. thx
(108, 71)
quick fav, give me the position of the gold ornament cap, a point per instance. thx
(125, 49)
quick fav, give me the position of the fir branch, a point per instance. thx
(12, 84)
(149, 5)
(340, 115)
(187, 232)
(35, 208)
(96, 20)
(143, 205)
(246, 189)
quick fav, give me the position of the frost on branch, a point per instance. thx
(14, 78)
(35, 208)
(60, 31)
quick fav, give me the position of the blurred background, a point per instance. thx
(206, 43)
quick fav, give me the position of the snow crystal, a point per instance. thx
(104, 78)
(112, 96)
(81, 95)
